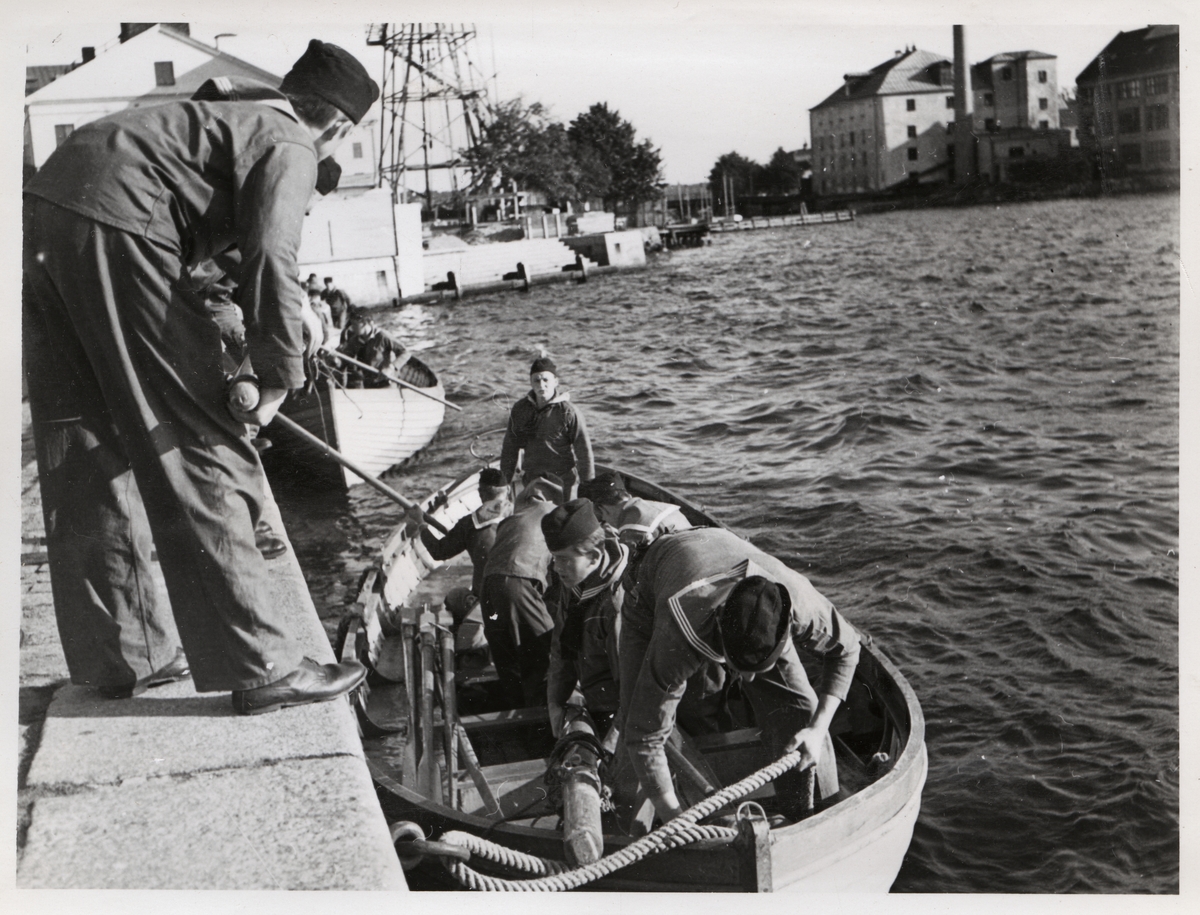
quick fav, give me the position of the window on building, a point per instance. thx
(1042, 76)
(912, 154)
(1130, 153)
(61, 132)
(949, 150)
(989, 99)
(1086, 94)
(1129, 88)
(910, 104)
(1006, 74)
(1129, 120)
(949, 101)
(1043, 125)
(1158, 117)
(852, 138)
(1158, 152)
(912, 131)
(356, 148)
(852, 160)
(1016, 152)
(1043, 103)
(1158, 85)
(164, 73)
(989, 124)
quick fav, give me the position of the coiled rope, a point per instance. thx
(554, 877)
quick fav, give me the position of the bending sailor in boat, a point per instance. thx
(706, 595)
(515, 619)
(547, 432)
(585, 597)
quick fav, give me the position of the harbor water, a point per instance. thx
(962, 425)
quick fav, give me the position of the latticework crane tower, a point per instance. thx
(434, 101)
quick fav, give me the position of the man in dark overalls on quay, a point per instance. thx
(136, 444)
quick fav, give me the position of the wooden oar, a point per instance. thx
(391, 378)
(292, 426)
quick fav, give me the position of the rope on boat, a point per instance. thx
(683, 830)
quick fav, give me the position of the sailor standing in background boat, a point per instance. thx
(706, 595)
(339, 303)
(547, 429)
(135, 436)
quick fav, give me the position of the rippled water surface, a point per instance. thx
(962, 425)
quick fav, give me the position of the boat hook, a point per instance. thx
(292, 426)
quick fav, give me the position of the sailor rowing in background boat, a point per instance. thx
(547, 433)
(365, 341)
(707, 596)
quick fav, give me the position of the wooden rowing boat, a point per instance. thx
(377, 427)
(856, 844)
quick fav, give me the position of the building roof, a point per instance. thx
(1018, 55)
(43, 75)
(981, 73)
(80, 81)
(1152, 49)
(905, 74)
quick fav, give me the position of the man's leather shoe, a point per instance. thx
(269, 544)
(172, 672)
(310, 682)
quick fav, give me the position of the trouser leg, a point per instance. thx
(153, 357)
(534, 659)
(113, 626)
(784, 701)
(500, 630)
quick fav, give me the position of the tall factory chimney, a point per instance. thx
(964, 126)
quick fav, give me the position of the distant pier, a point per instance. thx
(776, 222)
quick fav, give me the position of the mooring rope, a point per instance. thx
(554, 877)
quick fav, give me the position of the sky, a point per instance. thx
(698, 79)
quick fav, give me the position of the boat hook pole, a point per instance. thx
(294, 427)
(392, 378)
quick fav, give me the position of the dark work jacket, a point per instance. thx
(520, 550)
(554, 438)
(587, 627)
(198, 177)
(468, 534)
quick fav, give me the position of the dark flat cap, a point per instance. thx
(569, 524)
(336, 75)
(606, 487)
(543, 364)
(751, 621)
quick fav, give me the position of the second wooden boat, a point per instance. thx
(376, 427)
